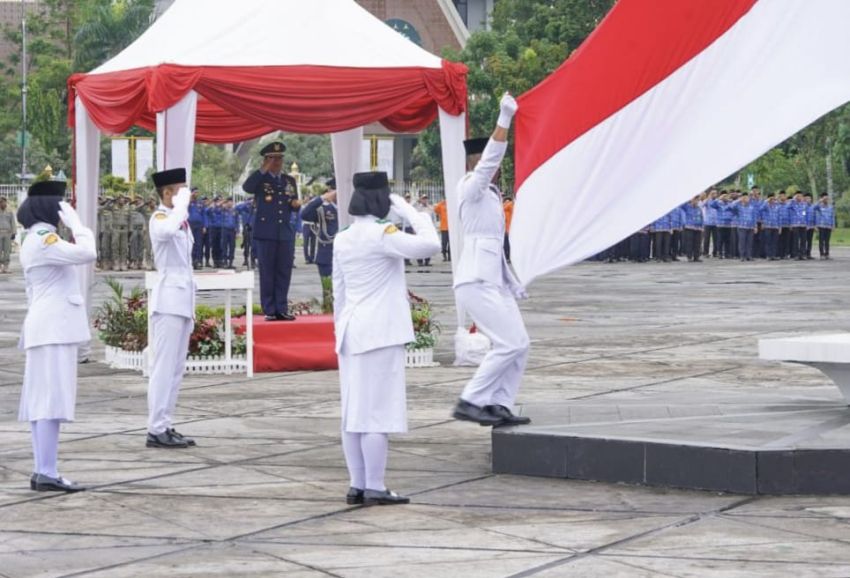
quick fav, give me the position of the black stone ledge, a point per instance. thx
(676, 465)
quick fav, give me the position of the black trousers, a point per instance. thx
(745, 243)
(275, 259)
(215, 241)
(444, 246)
(724, 249)
(662, 245)
(798, 242)
(709, 240)
(784, 243)
(824, 234)
(198, 247)
(247, 240)
(693, 242)
(810, 237)
(676, 244)
(770, 238)
(507, 248)
(733, 242)
(309, 238)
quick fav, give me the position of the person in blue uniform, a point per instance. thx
(808, 199)
(661, 230)
(276, 197)
(229, 224)
(797, 220)
(677, 219)
(709, 214)
(245, 211)
(323, 212)
(784, 226)
(693, 229)
(308, 235)
(825, 222)
(771, 224)
(724, 224)
(214, 227)
(746, 215)
(206, 239)
(197, 222)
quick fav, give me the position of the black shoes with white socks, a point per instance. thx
(386, 497)
(45, 483)
(492, 415)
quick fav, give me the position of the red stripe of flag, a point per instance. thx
(636, 46)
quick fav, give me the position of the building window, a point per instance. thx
(463, 9)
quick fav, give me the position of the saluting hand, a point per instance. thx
(69, 216)
(507, 109)
(182, 198)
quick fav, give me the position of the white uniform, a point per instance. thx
(486, 288)
(56, 321)
(372, 318)
(173, 309)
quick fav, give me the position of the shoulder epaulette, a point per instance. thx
(159, 215)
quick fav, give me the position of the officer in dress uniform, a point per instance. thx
(229, 225)
(55, 325)
(172, 306)
(322, 212)
(197, 222)
(485, 287)
(7, 235)
(372, 325)
(276, 197)
(245, 211)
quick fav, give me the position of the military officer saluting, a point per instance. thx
(276, 196)
(172, 305)
(323, 212)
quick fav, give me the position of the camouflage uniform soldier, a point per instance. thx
(120, 233)
(137, 234)
(7, 233)
(104, 223)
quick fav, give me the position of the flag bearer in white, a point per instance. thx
(372, 325)
(485, 287)
(55, 325)
(172, 306)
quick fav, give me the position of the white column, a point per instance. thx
(346, 150)
(452, 134)
(86, 187)
(175, 135)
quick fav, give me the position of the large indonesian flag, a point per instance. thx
(665, 98)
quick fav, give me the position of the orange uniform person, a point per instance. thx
(508, 205)
(442, 212)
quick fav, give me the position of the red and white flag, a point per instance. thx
(663, 99)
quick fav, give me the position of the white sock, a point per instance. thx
(47, 431)
(34, 429)
(354, 459)
(375, 447)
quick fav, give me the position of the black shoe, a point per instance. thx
(270, 318)
(284, 317)
(354, 496)
(165, 440)
(32, 481)
(180, 436)
(506, 416)
(466, 411)
(44, 483)
(385, 498)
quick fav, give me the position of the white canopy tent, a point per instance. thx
(218, 71)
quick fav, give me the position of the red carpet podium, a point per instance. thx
(304, 344)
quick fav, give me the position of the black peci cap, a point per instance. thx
(47, 189)
(475, 146)
(169, 177)
(371, 195)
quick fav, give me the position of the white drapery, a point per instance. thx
(346, 150)
(175, 130)
(86, 187)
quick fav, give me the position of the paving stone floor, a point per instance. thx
(262, 493)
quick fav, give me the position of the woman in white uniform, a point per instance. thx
(373, 324)
(55, 325)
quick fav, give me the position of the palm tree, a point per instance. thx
(107, 28)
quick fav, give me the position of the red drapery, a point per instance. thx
(239, 103)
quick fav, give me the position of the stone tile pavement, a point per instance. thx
(262, 493)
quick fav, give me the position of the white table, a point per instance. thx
(829, 353)
(226, 281)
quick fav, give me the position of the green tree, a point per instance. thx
(527, 41)
(214, 169)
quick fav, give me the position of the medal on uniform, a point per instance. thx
(268, 198)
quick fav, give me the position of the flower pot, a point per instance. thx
(420, 358)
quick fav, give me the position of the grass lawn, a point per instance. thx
(840, 237)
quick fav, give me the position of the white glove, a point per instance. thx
(507, 109)
(182, 198)
(403, 209)
(69, 216)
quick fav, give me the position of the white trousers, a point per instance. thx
(496, 314)
(171, 344)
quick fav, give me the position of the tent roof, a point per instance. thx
(309, 66)
(270, 33)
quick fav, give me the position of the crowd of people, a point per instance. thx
(736, 224)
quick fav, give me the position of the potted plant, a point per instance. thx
(420, 351)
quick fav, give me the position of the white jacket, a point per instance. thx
(171, 240)
(371, 309)
(56, 311)
(482, 220)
